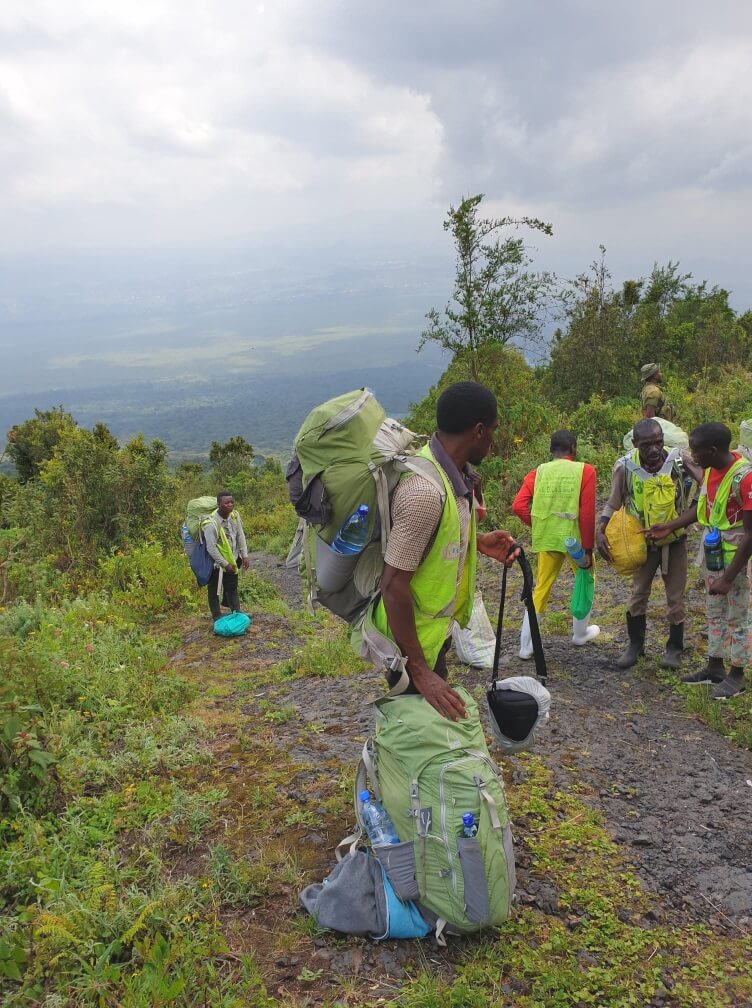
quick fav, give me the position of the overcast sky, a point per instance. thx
(297, 122)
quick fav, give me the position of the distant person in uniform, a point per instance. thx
(652, 400)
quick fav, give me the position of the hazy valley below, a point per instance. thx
(191, 353)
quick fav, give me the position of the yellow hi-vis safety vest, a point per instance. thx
(653, 496)
(556, 504)
(440, 592)
(717, 515)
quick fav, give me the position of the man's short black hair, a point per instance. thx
(563, 441)
(223, 493)
(463, 405)
(712, 435)
(646, 427)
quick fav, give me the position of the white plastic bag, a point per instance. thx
(475, 644)
(673, 436)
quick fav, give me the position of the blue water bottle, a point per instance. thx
(575, 550)
(189, 543)
(379, 826)
(469, 826)
(712, 544)
(353, 535)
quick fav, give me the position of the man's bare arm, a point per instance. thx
(398, 602)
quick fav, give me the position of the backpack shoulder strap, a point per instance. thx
(736, 483)
(421, 466)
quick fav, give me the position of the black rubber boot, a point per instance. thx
(713, 673)
(674, 647)
(636, 626)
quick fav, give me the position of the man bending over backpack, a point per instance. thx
(225, 543)
(429, 572)
(650, 481)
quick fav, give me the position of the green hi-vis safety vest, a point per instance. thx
(717, 517)
(556, 504)
(223, 543)
(653, 496)
(440, 593)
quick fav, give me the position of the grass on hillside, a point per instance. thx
(145, 816)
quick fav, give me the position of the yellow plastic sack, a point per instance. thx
(626, 542)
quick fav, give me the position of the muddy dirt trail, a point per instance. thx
(670, 788)
(675, 795)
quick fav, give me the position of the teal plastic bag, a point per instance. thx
(234, 624)
(403, 919)
(582, 593)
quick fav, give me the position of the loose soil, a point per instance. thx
(675, 795)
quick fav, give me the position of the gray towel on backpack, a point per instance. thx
(351, 899)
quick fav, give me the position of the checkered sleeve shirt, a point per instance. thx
(416, 512)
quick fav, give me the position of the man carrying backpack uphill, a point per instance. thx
(431, 554)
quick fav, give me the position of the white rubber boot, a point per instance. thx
(582, 632)
(526, 640)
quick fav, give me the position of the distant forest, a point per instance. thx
(267, 410)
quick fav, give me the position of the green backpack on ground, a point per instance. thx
(428, 771)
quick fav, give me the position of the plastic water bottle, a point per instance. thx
(469, 826)
(353, 535)
(189, 542)
(574, 549)
(712, 544)
(379, 826)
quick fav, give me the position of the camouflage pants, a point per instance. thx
(729, 622)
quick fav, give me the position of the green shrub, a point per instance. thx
(26, 764)
(524, 412)
(604, 422)
(145, 580)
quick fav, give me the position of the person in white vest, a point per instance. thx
(558, 500)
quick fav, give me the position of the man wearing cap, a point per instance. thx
(652, 399)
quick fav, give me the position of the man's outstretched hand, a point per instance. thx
(499, 545)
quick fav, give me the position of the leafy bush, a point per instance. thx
(725, 396)
(524, 412)
(603, 423)
(146, 580)
(93, 496)
(26, 776)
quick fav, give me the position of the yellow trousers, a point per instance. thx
(549, 565)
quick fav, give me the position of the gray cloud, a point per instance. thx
(191, 122)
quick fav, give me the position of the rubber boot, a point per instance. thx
(526, 640)
(583, 632)
(636, 626)
(674, 647)
(713, 673)
(732, 685)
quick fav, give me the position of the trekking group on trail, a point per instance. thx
(408, 580)
(388, 540)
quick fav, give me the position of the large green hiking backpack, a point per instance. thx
(196, 513)
(347, 453)
(427, 771)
